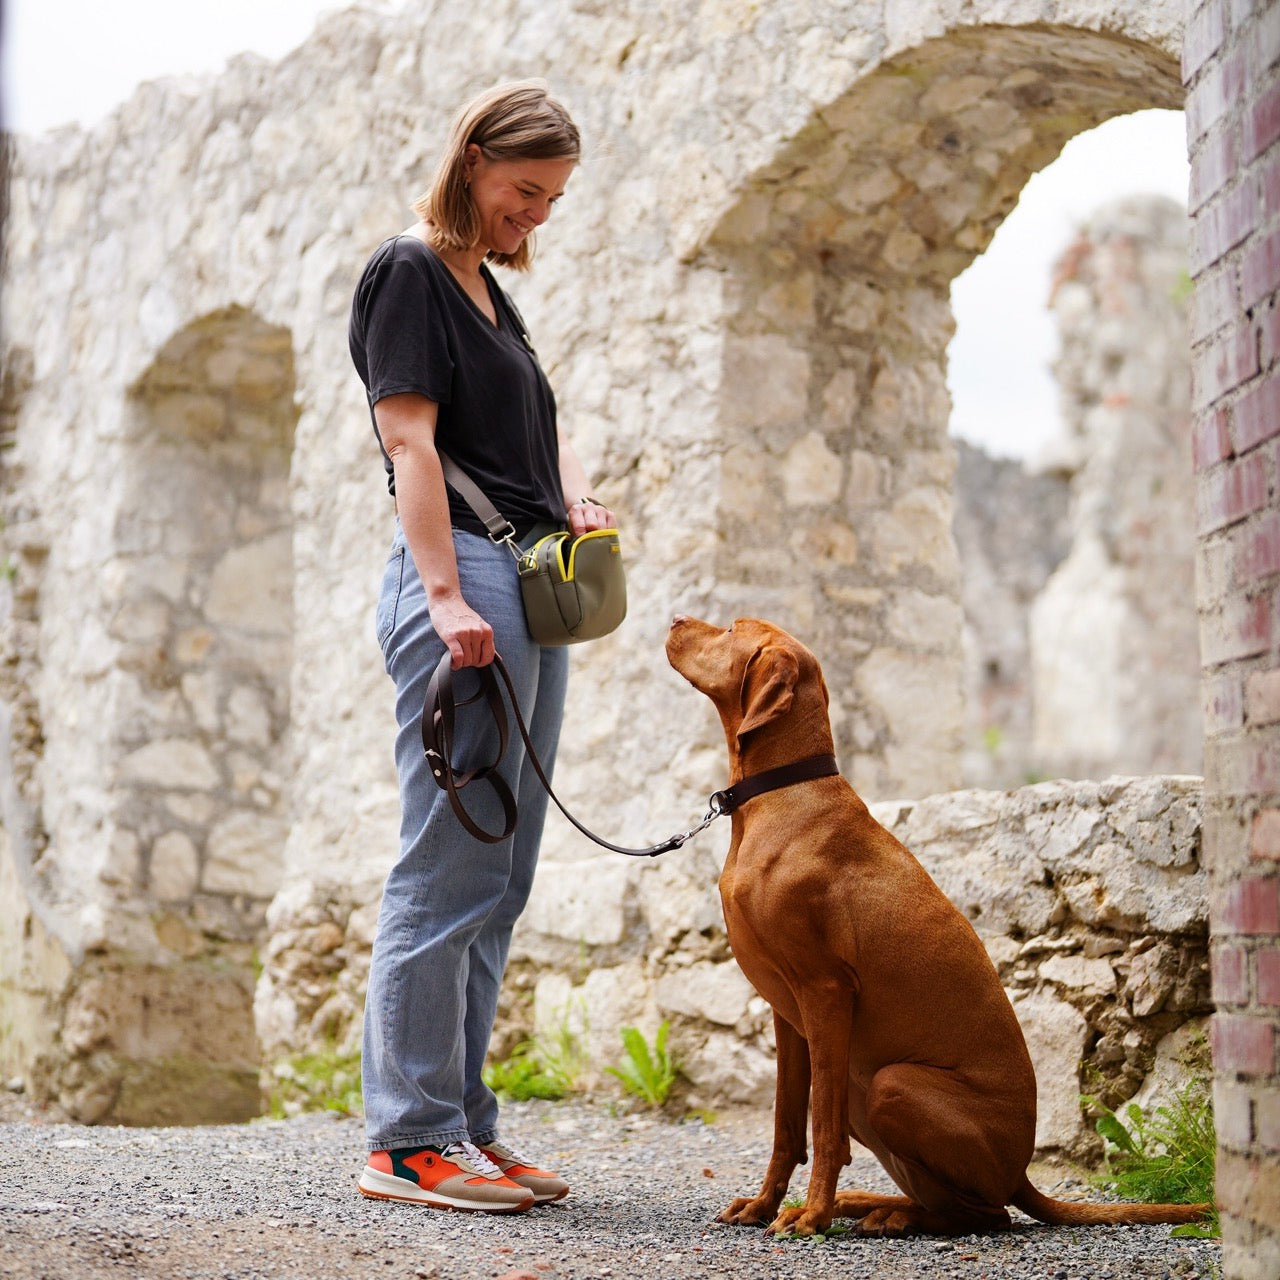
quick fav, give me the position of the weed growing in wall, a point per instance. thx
(325, 1081)
(646, 1074)
(545, 1067)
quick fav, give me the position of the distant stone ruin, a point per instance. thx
(1081, 638)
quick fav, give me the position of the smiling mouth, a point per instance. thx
(524, 231)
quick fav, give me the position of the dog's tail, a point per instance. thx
(1070, 1213)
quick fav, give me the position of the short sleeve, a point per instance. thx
(403, 329)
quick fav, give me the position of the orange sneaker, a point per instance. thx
(545, 1186)
(457, 1176)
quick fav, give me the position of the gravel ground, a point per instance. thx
(278, 1198)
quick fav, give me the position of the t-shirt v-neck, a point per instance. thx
(491, 288)
(414, 328)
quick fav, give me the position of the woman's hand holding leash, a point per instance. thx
(467, 636)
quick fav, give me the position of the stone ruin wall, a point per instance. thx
(194, 738)
(1012, 531)
(1090, 899)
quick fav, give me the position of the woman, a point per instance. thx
(447, 365)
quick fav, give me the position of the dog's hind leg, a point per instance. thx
(790, 1129)
(954, 1150)
(891, 1216)
(914, 1220)
(857, 1204)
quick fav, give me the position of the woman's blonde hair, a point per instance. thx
(516, 121)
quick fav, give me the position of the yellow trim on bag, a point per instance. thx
(560, 538)
(577, 542)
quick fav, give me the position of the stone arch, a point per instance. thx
(837, 257)
(205, 620)
(195, 707)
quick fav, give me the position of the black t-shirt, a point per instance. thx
(413, 328)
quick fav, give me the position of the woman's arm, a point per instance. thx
(583, 516)
(407, 425)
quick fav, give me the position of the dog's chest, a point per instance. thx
(761, 935)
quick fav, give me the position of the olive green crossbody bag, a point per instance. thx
(574, 589)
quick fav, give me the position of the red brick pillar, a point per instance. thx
(1231, 66)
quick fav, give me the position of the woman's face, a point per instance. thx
(512, 197)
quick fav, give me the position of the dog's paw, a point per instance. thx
(887, 1224)
(747, 1212)
(799, 1222)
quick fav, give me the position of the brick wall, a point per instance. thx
(1231, 67)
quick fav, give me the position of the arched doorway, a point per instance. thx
(192, 719)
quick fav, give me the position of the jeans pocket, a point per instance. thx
(389, 597)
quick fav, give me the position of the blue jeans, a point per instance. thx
(450, 901)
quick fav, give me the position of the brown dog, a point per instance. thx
(889, 1016)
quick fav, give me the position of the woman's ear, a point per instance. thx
(768, 688)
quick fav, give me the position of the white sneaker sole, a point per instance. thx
(386, 1186)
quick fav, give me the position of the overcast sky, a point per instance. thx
(75, 60)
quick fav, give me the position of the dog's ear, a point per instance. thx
(768, 687)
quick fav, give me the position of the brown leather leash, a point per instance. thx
(438, 720)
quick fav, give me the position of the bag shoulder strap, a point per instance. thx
(499, 528)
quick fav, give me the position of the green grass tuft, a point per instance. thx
(540, 1068)
(326, 1081)
(524, 1075)
(1166, 1157)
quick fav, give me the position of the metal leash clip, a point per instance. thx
(677, 841)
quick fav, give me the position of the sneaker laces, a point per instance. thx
(505, 1152)
(473, 1157)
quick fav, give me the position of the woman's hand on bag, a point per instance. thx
(467, 636)
(587, 515)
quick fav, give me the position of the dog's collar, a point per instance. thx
(786, 775)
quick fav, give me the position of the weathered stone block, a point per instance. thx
(1055, 1034)
(171, 765)
(584, 903)
(715, 993)
(244, 855)
(174, 867)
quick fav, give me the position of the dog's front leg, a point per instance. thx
(790, 1127)
(828, 1016)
